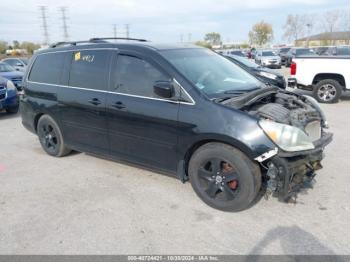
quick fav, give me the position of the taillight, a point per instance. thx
(293, 69)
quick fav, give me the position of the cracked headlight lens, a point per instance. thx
(288, 138)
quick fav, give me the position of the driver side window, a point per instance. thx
(136, 76)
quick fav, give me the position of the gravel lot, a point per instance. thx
(81, 204)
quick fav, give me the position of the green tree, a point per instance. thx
(261, 33)
(203, 44)
(213, 38)
(3, 47)
(29, 46)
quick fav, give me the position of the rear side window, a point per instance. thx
(47, 68)
(89, 69)
(136, 76)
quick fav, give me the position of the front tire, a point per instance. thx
(50, 137)
(327, 91)
(223, 177)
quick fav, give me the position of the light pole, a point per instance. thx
(308, 25)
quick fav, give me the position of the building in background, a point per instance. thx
(325, 39)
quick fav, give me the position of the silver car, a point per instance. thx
(268, 58)
(19, 63)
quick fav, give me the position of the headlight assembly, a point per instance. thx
(287, 137)
(10, 86)
(268, 75)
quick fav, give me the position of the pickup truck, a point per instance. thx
(326, 76)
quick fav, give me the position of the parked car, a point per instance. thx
(181, 109)
(268, 58)
(282, 52)
(320, 50)
(12, 74)
(253, 53)
(236, 52)
(8, 96)
(264, 74)
(298, 51)
(19, 63)
(338, 51)
(327, 77)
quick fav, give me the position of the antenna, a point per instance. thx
(115, 31)
(127, 30)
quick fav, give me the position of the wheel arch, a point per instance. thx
(184, 161)
(333, 76)
(36, 120)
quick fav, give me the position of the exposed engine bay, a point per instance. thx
(286, 173)
(282, 107)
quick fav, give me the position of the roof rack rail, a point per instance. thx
(68, 43)
(95, 40)
(100, 39)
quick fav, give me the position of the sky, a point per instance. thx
(155, 20)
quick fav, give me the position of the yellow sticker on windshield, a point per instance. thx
(77, 56)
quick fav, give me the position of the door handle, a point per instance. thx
(95, 101)
(118, 105)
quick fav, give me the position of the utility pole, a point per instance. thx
(181, 38)
(127, 31)
(308, 25)
(64, 26)
(189, 37)
(115, 31)
(44, 25)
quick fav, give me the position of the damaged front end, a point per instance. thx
(296, 125)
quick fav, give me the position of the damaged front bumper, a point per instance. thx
(288, 172)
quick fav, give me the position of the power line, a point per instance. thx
(127, 31)
(115, 31)
(44, 24)
(64, 23)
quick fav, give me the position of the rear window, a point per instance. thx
(47, 68)
(89, 69)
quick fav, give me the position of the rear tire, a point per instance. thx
(223, 177)
(50, 137)
(327, 91)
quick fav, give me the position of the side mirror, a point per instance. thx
(164, 89)
(19, 64)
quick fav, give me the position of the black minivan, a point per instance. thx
(179, 109)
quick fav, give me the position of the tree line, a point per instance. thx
(30, 47)
(296, 26)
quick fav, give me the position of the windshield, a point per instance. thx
(244, 61)
(284, 50)
(24, 60)
(210, 72)
(268, 53)
(343, 51)
(6, 68)
(304, 51)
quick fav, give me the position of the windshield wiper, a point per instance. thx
(239, 92)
